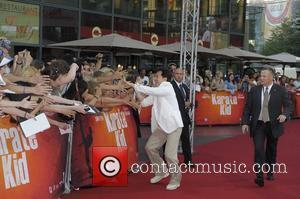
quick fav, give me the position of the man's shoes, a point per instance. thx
(156, 179)
(171, 186)
(270, 177)
(259, 182)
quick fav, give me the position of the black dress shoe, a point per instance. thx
(270, 177)
(259, 182)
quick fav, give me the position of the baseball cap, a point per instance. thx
(5, 43)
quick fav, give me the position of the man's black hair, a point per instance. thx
(165, 72)
(68, 58)
(38, 64)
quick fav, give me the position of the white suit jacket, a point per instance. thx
(165, 111)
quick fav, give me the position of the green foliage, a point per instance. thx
(284, 38)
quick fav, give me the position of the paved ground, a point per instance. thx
(202, 135)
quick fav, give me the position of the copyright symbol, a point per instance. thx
(109, 166)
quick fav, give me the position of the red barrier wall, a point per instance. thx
(219, 108)
(114, 128)
(31, 167)
(297, 104)
(212, 109)
(145, 115)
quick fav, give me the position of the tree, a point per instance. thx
(284, 38)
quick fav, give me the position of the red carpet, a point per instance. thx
(237, 185)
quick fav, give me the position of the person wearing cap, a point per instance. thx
(7, 85)
(5, 46)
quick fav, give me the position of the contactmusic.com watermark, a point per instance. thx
(208, 168)
(110, 167)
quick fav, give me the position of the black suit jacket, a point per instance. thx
(181, 101)
(279, 103)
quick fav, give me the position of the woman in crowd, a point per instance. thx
(217, 83)
(230, 84)
(206, 85)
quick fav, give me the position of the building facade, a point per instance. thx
(264, 15)
(33, 24)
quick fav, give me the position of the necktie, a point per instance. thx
(182, 91)
(265, 110)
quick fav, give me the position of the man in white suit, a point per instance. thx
(166, 127)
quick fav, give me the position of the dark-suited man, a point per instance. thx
(267, 108)
(182, 95)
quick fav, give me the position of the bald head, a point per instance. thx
(178, 75)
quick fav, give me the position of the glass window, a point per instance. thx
(219, 15)
(174, 31)
(218, 7)
(206, 27)
(26, 0)
(128, 7)
(98, 5)
(73, 3)
(93, 24)
(154, 33)
(237, 16)
(19, 22)
(220, 24)
(59, 25)
(127, 27)
(174, 7)
(236, 40)
(219, 40)
(204, 8)
(155, 9)
(51, 53)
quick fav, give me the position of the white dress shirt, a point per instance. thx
(165, 111)
(144, 81)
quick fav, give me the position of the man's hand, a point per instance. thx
(188, 104)
(281, 118)
(80, 109)
(63, 125)
(28, 58)
(99, 56)
(29, 116)
(28, 104)
(128, 83)
(98, 92)
(21, 56)
(245, 129)
(48, 99)
(76, 102)
(42, 89)
(118, 75)
(41, 79)
(68, 112)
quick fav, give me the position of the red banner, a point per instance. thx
(219, 108)
(114, 128)
(214, 108)
(31, 167)
(145, 115)
(297, 104)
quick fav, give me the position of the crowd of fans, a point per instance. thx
(234, 82)
(67, 85)
(64, 86)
